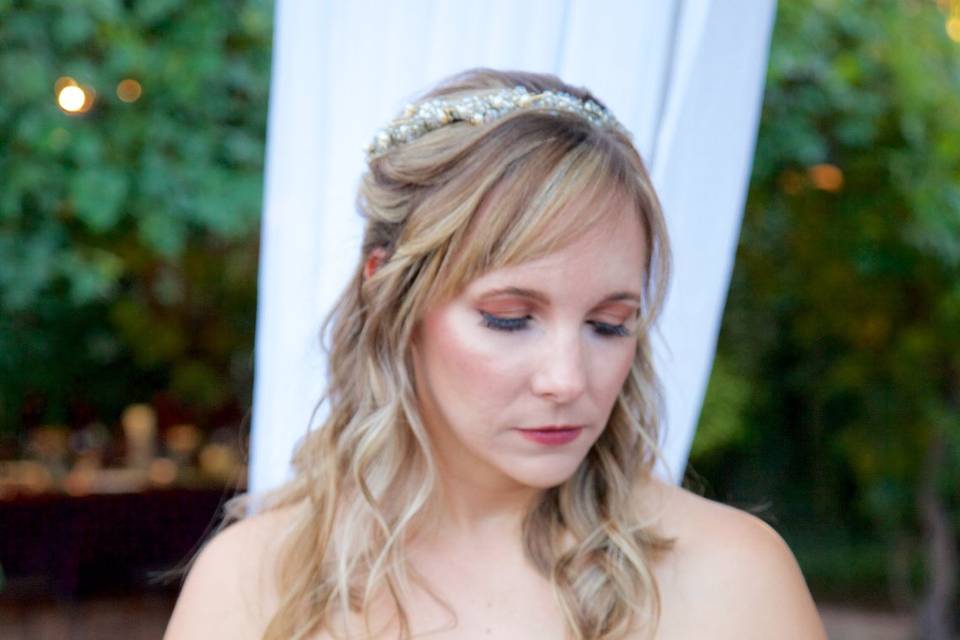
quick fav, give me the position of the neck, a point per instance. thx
(468, 506)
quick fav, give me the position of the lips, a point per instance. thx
(552, 434)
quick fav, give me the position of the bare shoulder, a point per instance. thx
(731, 571)
(229, 590)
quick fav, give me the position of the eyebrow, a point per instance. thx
(542, 298)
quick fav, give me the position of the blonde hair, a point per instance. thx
(445, 208)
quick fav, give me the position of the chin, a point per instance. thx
(545, 474)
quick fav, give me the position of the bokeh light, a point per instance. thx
(129, 90)
(72, 97)
(826, 177)
(162, 472)
(953, 28)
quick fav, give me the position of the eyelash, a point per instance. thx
(516, 324)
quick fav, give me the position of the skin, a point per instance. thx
(730, 576)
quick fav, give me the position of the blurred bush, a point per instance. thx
(128, 232)
(836, 389)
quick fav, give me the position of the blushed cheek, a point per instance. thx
(618, 370)
(470, 371)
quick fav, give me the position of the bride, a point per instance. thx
(485, 467)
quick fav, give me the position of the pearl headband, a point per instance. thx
(420, 119)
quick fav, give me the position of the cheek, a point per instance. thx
(468, 371)
(612, 370)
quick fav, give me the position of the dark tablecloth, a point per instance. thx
(90, 543)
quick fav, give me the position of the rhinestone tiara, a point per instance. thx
(420, 119)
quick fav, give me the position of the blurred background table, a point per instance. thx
(101, 542)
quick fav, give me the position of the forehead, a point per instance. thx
(608, 257)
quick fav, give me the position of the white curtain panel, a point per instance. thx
(685, 76)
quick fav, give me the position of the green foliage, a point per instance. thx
(839, 570)
(128, 234)
(844, 307)
(722, 425)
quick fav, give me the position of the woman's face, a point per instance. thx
(517, 375)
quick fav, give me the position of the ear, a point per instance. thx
(376, 258)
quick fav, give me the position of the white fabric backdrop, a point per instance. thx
(685, 76)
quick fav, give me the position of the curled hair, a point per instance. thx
(446, 208)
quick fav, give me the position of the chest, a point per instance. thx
(473, 601)
(509, 605)
(508, 599)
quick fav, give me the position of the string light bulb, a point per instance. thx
(72, 97)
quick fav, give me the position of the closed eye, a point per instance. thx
(614, 330)
(516, 324)
(504, 324)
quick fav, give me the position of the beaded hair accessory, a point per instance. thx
(420, 119)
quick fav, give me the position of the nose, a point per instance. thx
(560, 374)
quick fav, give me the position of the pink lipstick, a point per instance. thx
(552, 435)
